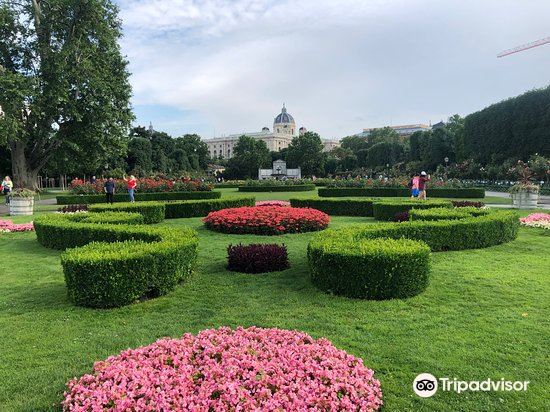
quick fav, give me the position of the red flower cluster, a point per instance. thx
(145, 185)
(267, 220)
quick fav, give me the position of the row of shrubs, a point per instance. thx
(155, 212)
(277, 188)
(387, 209)
(391, 260)
(113, 260)
(470, 192)
(337, 206)
(140, 197)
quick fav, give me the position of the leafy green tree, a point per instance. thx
(63, 83)
(384, 153)
(354, 143)
(383, 135)
(195, 149)
(139, 156)
(306, 151)
(248, 156)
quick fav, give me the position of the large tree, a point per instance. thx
(63, 83)
(248, 156)
(306, 151)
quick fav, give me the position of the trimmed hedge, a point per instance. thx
(281, 188)
(337, 206)
(446, 213)
(129, 263)
(115, 218)
(140, 197)
(467, 192)
(196, 208)
(342, 261)
(377, 269)
(152, 212)
(387, 209)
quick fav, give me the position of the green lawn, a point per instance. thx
(485, 315)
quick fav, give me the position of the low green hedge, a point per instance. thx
(281, 188)
(195, 208)
(470, 192)
(152, 212)
(446, 213)
(337, 206)
(115, 218)
(129, 262)
(387, 209)
(377, 269)
(341, 261)
(140, 197)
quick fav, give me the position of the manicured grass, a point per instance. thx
(484, 315)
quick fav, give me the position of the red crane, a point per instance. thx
(524, 47)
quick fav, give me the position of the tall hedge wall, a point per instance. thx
(471, 192)
(513, 128)
(139, 197)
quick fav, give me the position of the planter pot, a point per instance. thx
(525, 200)
(21, 206)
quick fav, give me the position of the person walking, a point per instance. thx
(424, 178)
(109, 188)
(413, 185)
(131, 184)
(7, 186)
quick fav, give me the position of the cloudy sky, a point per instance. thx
(217, 67)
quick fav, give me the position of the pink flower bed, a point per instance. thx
(251, 369)
(9, 226)
(266, 220)
(536, 220)
(272, 203)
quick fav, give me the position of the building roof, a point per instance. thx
(283, 117)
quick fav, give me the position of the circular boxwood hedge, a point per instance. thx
(112, 265)
(266, 220)
(387, 209)
(349, 262)
(251, 369)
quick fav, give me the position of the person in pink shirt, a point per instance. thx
(131, 184)
(413, 185)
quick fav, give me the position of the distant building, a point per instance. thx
(403, 130)
(279, 171)
(284, 129)
(438, 125)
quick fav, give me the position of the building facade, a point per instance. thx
(402, 130)
(284, 129)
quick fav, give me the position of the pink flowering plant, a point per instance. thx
(541, 220)
(282, 203)
(9, 226)
(251, 369)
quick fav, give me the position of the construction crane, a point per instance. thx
(524, 47)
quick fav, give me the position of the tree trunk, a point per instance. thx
(24, 176)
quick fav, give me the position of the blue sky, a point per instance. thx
(217, 67)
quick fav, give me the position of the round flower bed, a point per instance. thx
(9, 226)
(541, 220)
(267, 220)
(224, 369)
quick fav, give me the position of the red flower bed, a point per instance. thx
(267, 220)
(221, 369)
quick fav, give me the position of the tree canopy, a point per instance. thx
(249, 155)
(63, 83)
(306, 151)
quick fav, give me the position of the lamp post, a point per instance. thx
(446, 166)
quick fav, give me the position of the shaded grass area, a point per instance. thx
(484, 315)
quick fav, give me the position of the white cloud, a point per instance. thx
(339, 66)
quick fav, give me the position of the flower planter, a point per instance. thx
(21, 206)
(525, 200)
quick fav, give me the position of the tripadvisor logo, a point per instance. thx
(426, 385)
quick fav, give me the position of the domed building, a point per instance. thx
(284, 129)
